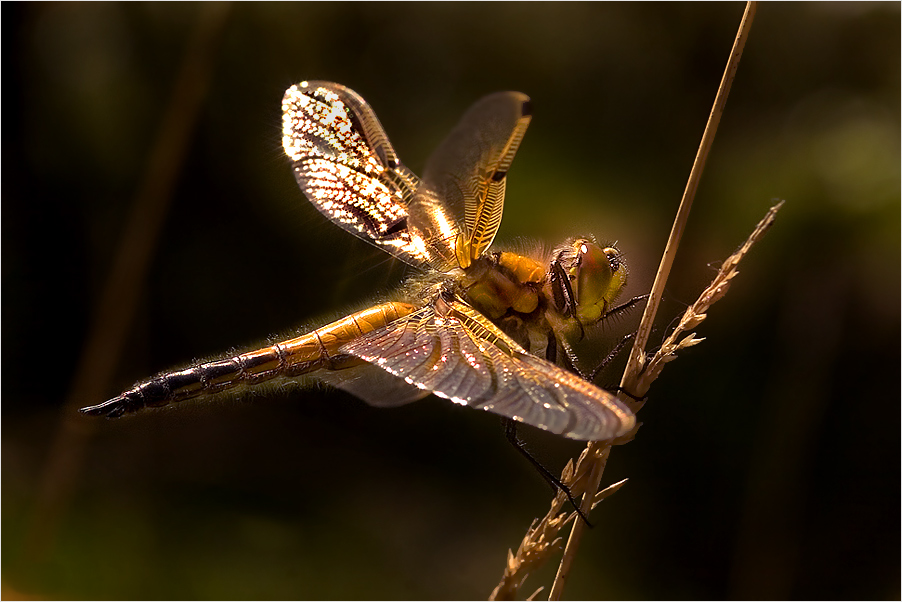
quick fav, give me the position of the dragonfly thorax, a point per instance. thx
(532, 300)
(504, 283)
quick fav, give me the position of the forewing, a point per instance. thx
(464, 180)
(456, 353)
(345, 164)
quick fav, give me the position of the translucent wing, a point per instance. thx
(374, 386)
(345, 164)
(459, 205)
(450, 349)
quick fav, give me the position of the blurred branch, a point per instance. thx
(115, 309)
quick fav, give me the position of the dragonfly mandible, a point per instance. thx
(490, 330)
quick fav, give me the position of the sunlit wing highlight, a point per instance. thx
(465, 178)
(455, 352)
(345, 164)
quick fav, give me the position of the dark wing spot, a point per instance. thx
(398, 226)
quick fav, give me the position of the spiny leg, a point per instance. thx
(510, 431)
(620, 344)
(610, 357)
(626, 306)
(601, 366)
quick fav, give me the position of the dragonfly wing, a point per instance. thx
(450, 349)
(374, 386)
(464, 180)
(345, 164)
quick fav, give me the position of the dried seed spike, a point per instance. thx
(608, 491)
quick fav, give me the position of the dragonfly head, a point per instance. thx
(596, 275)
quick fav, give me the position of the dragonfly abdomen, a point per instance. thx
(316, 350)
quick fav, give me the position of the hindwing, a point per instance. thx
(464, 180)
(450, 349)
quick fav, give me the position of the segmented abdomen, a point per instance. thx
(317, 350)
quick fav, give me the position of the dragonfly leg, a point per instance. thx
(562, 292)
(626, 306)
(510, 431)
(619, 389)
(601, 366)
(610, 357)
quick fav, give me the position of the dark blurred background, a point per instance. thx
(769, 461)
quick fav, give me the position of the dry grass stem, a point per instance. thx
(541, 538)
(682, 216)
(697, 313)
(637, 354)
(540, 542)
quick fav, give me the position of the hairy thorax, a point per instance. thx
(512, 291)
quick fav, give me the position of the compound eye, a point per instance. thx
(600, 277)
(593, 273)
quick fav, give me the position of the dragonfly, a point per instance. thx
(490, 330)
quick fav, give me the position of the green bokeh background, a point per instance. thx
(768, 464)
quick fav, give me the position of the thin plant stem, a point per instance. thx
(637, 354)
